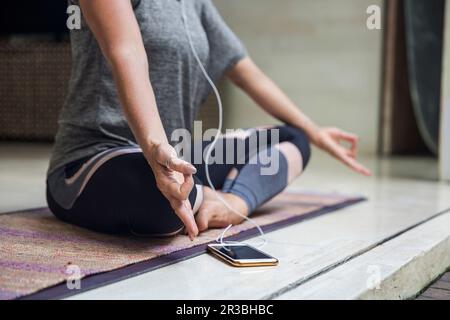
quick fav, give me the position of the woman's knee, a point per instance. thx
(299, 139)
(164, 225)
(158, 218)
(54, 207)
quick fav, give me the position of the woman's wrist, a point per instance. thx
(151, 146)
(311, 129)
(314, 136)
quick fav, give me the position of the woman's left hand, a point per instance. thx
(330, 139)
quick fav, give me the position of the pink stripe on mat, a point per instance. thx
(25, 266)
(44, 236)
(36, 248)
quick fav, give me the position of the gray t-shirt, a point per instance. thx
(92, 119)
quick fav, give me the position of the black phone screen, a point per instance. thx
(242, 253)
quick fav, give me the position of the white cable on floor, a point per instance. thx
(216, 138)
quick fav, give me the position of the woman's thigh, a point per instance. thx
(122, 197)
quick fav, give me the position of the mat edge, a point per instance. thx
(60, 291)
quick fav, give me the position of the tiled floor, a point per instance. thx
(402, 194)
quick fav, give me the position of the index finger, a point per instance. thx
(181, 166)
(348, 136)
(187, 185)
(356, 166)
(353, 139)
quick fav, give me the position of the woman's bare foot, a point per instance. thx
(214, 214)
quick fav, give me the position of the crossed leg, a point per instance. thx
(243, 183)
(121, 194)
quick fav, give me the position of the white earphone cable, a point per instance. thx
(220, 239)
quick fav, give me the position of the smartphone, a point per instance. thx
(241, 255)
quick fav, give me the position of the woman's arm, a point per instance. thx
(116, 29)
(269, 97)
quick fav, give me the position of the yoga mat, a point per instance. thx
(38, 252)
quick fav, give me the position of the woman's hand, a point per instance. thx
(174, 179)
(117, 32)
(330, 139)
(246, 75)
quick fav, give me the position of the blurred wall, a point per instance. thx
(320, 52)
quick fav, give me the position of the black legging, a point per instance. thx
(122, 196)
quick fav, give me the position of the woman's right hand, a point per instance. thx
(117, 31)
(174, 179)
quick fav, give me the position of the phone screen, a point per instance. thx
(242, 253)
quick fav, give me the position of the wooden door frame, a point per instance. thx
(399, 132)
